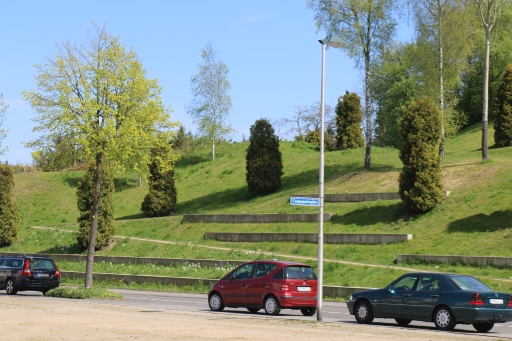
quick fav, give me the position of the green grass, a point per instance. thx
(476, 219)
(83, 293)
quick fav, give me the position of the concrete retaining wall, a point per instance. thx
(329, 291)
(499, 262)
(252, 218)
(134, 260)
(330, 238)
(353, 197)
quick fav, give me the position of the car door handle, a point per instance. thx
(264, 284)
(434, 296)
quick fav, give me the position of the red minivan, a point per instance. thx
(271, 285)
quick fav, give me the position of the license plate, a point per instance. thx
(42, 275)
(496, 301)
(303, 288)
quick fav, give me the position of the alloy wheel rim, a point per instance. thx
(9, 287)
(271, 305)
(215, 302)
(362, 312)
(443, 318)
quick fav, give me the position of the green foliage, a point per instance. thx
(264, 164)
(503, 111)
(55, 152)
(83, 293)
(85, 190)
(211, 105)
(394, 86)
(420, 183)
(348, 122)
(9, 215)
(162, 197)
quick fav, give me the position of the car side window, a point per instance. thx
(429, 283)
(243, 272)
(4, 262)
(17, 263)
(279, 274)
(263, 269)
(404, 284)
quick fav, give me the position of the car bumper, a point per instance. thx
(480, 315)
(297, 301)
(350, 306)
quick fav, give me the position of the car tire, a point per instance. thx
(9, 287)
(363, 312)
(272, 306)
(444, 319)
(215, 302)
(308, 311)
(483, 327)
(253, 310)
(403, 322)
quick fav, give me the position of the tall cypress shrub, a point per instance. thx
(9, 215)
(420, 184)
(162, 197)
(264, 161)
(85, 191)
(349, 116)
(503, 111)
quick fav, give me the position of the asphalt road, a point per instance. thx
(332, 312)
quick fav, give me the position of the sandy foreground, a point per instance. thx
(44, 319)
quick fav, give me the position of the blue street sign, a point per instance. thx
(305, 201)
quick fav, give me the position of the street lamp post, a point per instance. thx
(333, 41)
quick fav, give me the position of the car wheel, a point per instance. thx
(272, 306)
(363, 311)
(308, 311)
(9, 287)
(253, 310)
(483, 327)
(444, 319)
(403, 322)
(215, 302)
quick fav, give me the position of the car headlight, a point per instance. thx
(351, 298)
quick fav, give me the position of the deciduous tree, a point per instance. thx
(98, 95)
(3, 133)
(366, 27)
(211, 105)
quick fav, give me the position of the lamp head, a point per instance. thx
(332, 40)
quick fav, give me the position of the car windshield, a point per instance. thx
(469, 283)
(299, 272)
(45, 264)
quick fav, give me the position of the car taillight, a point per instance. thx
(476, 299)
(26, 271)
(57, 272)
(510, 302)
(285, 287)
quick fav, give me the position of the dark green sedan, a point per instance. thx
(445, 299)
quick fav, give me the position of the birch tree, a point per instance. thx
(365, 26)
(443, 35)
(211, 105)
(489, 11)
(98, 95)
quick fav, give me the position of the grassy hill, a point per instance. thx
(475, 219)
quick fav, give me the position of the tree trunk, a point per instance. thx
(368, 114)
(485, 150)
(213, 149)
(441, 93)
(94, 224)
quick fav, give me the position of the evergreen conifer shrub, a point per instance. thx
(162, 197)
(85, 191)
(264, 161)
(349, 116)
(420, 183)
(503, 111)
(9, 215)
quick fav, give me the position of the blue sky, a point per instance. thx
(270, 47)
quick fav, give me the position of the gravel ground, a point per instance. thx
(41, 319)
